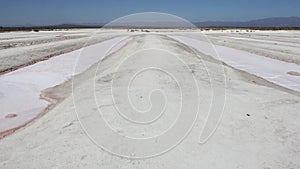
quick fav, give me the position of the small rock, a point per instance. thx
(10, 116)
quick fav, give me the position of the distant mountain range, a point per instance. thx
(266, 22)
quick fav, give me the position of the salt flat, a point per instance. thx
(244, 120)
(16, 47)
(22, 88)
(273, 70)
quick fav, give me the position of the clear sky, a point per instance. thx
(47, 12)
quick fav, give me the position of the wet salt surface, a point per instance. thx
(273, 70)
(20, 90)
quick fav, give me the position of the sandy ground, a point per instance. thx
(259, 126)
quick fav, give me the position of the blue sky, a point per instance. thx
(47, 12)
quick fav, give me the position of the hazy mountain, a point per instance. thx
(266, 22)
